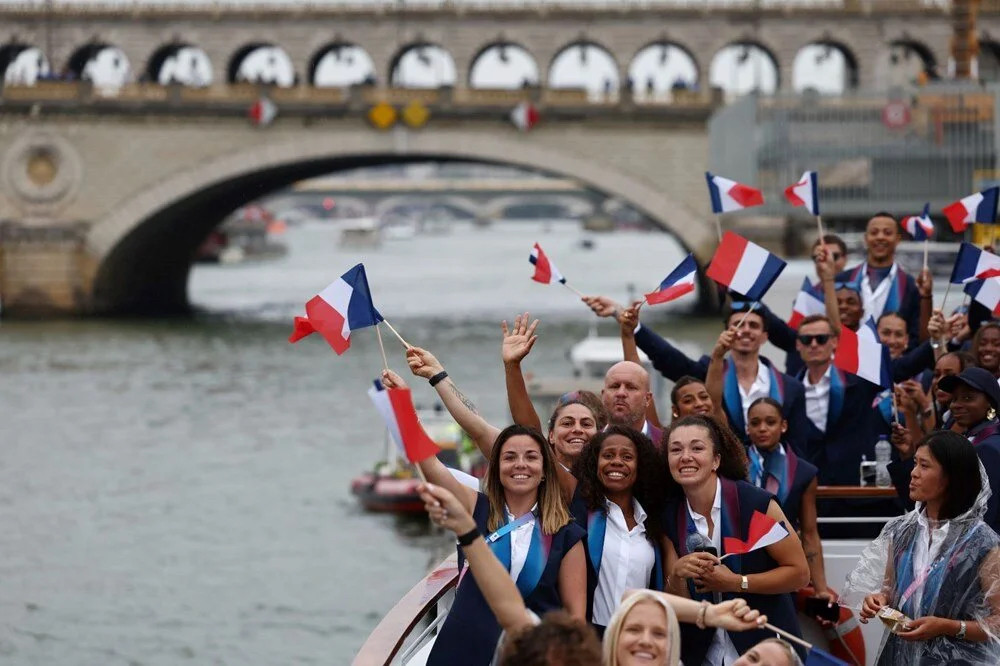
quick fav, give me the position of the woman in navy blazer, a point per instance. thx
(707, 468)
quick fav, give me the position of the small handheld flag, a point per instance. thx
(805, 192)
(863, 354)
(972, 263)
(545, 271)
(978, 208)
(679, 282)
(344, 306)
(920, 227)
(764, 531)
(728, 195)
(986, 292)
(395, 406)
(744, 267)
(808, 302)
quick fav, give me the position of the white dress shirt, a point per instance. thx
(818, 398)
(520, 541)
(721, 652)
(874, 300)
(761, 388)
(926, 550)
(627, 561)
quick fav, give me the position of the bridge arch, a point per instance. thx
(100, 62)
(143, 254)
(22, 63)
(743, 66)
(585, 64)
(826, 66)
(422, 65)
(179, 62)
(503, 65)
(341, 64)
(661, 66)
(905, 61)
(261, 62)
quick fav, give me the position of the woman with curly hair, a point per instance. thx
(709, 465)
(618, 474)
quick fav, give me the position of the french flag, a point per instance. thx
(728, 195)
(395, 406)
(980, 207)
(545, 271)
(679, 282)
(987, 292)
(809, 301)
(805, 192)
(973, 263)
(764, 531)
(863, 354)
(745, 267)
(921, 227)
(344, 306)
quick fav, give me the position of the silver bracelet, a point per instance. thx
(700, 620)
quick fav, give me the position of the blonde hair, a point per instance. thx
(617, 623)
(552, 510)
(793, 657)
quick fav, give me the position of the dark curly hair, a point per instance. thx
(650, 471)
(560, 638)
(733, 462)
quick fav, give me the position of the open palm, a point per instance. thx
(519, 339)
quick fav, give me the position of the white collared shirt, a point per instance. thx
(761, 388)
(818, 398)
(520, 541)
(721, 652)
(626, 562)
(927, 549)
(874, 300)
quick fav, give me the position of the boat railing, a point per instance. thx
(388, 642)
(854, 492)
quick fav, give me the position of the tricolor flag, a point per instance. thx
(262, 112)
(809, 301)
(764, 531)
(980, 208)
(395, 406)
(987, 292)
(344, 306)
(921, 227)
(524, 116)
(805, 192)
(973, 263)
(679, 282)
(545, 271)
(728, 195)
(863, 354)
(746, 268)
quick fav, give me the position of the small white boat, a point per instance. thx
(360, 232)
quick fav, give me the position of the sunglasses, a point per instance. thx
(820, 339)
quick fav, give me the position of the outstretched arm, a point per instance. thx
(517, 343)
(827, 276)
(434, 470)
(714, 376)
(812, 545)
(925, 288)
(423, 364)
(628, 320)
(731, 615)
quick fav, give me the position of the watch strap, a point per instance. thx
(468, 537)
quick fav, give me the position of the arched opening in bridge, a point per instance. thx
(341, 65)
(179, 63)
(261, 63)
(146, 271)
(905, 62)
(22, 64)
(660, 69)
(824, 67)
(422, 65)
(744, 67)
(585, 65)
(504, 66)
(105, 65)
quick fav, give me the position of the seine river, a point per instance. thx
(177, 491)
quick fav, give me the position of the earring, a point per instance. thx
(992, 414)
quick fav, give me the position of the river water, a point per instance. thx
(177, 491)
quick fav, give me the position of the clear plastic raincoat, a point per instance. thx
(961, 581)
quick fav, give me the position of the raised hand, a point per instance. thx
(724, 343)
(602, 306)
(517, 341)
(422, 362)
(629, 318)
(936, 326)
(391, 380)
(445, 509)
(734, 615)
(925, 284)
(823, 258)
(958, 326)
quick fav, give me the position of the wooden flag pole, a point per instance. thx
(574, 290)
(788, 636)
(396, 333)
(420, 472)
(378, 334)
(819, 225)
(718, 225)
(945, 299)
(753, 306)
(926, 241)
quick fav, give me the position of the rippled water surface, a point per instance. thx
(177, 491)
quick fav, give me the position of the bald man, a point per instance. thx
(626, 395)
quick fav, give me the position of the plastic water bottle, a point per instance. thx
(883, 454)
(866, 472)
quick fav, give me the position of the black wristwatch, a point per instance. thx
(468, 537)
(438, 378)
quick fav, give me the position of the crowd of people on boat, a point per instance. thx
(614, 526)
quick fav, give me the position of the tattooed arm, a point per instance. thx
(462, 409)
(812, 545)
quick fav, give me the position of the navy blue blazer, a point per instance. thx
(674, 364)
(470, 633)
(909, 299)
(803, 473)
(780, 608)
